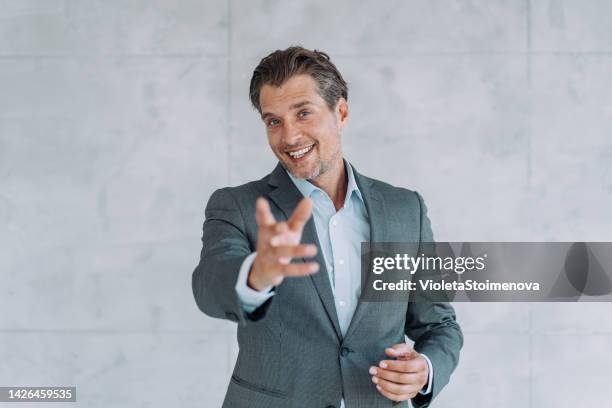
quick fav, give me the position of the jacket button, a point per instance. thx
(344, 351)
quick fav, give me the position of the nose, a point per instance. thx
(291, 134)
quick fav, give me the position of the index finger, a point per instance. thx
(404, 366)
(300, 215)
(263, 215)
(401, 351)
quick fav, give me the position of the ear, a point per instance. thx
(342, 113)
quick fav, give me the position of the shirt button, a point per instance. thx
(334, 223)
(340, 261)
(342, 303)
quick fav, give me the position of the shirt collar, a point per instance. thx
(307, 188)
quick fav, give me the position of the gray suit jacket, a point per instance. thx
(292, 352)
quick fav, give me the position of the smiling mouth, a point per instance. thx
(298, 154)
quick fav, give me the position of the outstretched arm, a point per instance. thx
(224, 248)
(225, 256)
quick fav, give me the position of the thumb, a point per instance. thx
(300, 215)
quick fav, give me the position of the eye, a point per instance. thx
(303, 114)
(273, 122)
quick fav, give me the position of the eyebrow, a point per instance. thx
(292, 107)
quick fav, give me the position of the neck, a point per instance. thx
(334, 183)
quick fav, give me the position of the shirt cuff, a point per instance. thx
(250, 299)
(430, 379)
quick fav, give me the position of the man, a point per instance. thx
(281, 256)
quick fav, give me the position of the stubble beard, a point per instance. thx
(314, 174)
(320, 168)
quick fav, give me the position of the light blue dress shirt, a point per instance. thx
(340, 234)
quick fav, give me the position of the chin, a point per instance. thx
(304, 173)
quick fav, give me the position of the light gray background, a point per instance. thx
(118, 120)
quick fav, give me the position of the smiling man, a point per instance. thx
(281, 256)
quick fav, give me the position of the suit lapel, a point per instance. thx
(286, 197)
(375, 207)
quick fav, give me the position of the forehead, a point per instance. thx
(295, 89)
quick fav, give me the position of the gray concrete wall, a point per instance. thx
(118, 120)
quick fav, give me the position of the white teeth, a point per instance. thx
(300, 153)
